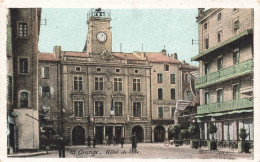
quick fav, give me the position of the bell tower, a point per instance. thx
(99, 37)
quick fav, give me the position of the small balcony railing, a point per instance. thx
(225, 106)
(234, 71)
(108, 119)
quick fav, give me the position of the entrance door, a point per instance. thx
(99, 134)
(159, 134)
(118, 131)
(78, 135)
(138, 131)
(109, 132)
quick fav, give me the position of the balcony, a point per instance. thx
(231, 72)
(225, 106)
(108, 119)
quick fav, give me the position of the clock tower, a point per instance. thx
(99, 37)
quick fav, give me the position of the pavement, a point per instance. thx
(144, 151)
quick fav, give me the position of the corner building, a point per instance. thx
(226, 72)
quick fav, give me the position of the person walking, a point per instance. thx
(107, 140)
(133, 140)
(94, 142)
(61, 145)
(89, 141)
(122, 142)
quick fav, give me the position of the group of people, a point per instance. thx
(116, 140)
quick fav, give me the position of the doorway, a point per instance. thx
(78, 135)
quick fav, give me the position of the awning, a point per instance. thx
(226, 113)
(244, 33)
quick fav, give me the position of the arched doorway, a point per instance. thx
(159, 134)
(138, 131)
(170, 135)
(78, 135)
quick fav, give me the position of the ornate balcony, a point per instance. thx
(108, 119)
(225, 106)
(231, 72)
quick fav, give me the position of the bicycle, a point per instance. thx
(167, 142)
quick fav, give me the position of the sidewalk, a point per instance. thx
(29, 154)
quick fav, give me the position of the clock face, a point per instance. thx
(101, 37)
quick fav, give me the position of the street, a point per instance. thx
(146, 150)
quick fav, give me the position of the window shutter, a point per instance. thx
(52, 90)
(40, 91)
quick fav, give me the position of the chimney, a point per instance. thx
(57, 51)
(164, 52)
(175, 56)
(200, 11)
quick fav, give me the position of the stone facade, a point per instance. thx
(25, 25)
(226, 70)
(104, 93)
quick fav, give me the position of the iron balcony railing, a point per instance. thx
(225, 106)
(234, 71)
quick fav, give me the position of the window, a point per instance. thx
(188, 96)
(172, 94)
(99, 108)
(219, 17)
(159, 78)
(78, 68)
(118, 108)
(206, 43)
(236, 91)
(23, 30)
(24, 99)
(136, 85)
(23, 65)
(46, 111)
(219, 95)
(207, 101)
(160, 94)
(236, 25)
(136, 71)
(236, 56)
(187, 78)
(173, 111)
(78, 108)
(206, 69)
(117, 70)
(98, 69)
(220, 63)
(219, 35)
(98, 84)
(46, 91)
(77, 83)
(10, 88)
(160, 112)
(118, 84)
(172, 78)
(137, 109)
(205, 26)
(45, 72)
(166, 67)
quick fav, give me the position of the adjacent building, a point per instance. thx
(226, 72)
(22, 53)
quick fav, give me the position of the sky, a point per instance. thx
(154, 28)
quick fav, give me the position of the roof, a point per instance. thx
(74, 54)
(122, 56)
(195, 74)
(47, 57)
(158, 57)
(189, 67)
